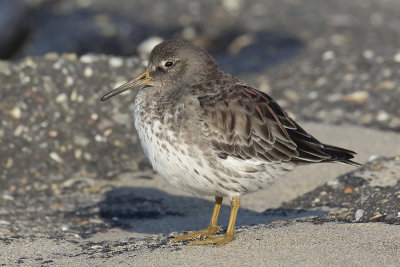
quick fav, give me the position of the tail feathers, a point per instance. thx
(339, 154)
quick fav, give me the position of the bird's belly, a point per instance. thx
(172, 159)
(199, 172)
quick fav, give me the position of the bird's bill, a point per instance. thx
(143, 79)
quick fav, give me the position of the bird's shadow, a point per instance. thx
(151, 211)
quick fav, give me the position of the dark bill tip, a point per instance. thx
(143, 79)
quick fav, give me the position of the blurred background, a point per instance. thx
(245, 36)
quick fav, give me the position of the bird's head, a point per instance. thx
(172, 64)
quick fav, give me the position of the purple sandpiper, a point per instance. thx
(212, 134)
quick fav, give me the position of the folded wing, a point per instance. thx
(245, 123)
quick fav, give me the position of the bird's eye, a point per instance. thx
(169, 64)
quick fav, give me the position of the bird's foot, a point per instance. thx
(217, 241)
(206, 233)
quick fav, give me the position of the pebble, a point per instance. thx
(145, 47)
(312, 95)
(6, 196)
(87, 156)
(69, 81)
(54, 156)
(53, 133)
(5, 68)
(88, 72)
(359, 214)
(396, 57)
(9, 163)
(328, 55)
(334, 183)
(373, 157)
(100, 138)
(368, 54)
(74, 96)
(88, 58)
(81, 140)
(19, 130)
(15, 113)
(358, 96)
(77, 153)
(61, 98)
(334, 97)
(232, 6)
(387, 85)
(51, 56)
(107, 132)
(382, 116)
(291, 96)
(115, 62)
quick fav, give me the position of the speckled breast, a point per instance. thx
(187, 164)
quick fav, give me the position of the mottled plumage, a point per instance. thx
(209, 133)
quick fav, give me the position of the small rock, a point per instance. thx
(107, 132)
(358, 96)
(5, 68)
(387, 85)
(368, 54)
(382, 116)
(348, 190)
(9, 163)
(291, 96)
(94, 116)
(115, 62)
(19, 130)
(61, 98)
(396, 57)
(74, 96)
(6, 196)
(359, 214)
(88, 58)
(78, 153)
(145, 47)
(54, 156)
(81, 140)
(15, 113)
(88, 72)
(53, 133)
(232, 5)
(69, 81)
(328, 55)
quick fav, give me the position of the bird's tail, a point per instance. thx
(339, 154)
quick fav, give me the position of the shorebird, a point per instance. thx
(212, 134)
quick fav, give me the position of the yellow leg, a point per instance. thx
(210, 230)
(230, 232)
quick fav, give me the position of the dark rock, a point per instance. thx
(14, 26)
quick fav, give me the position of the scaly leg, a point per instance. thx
(210, 230)
(230, 232)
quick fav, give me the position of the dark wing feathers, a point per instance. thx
(245, 123)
